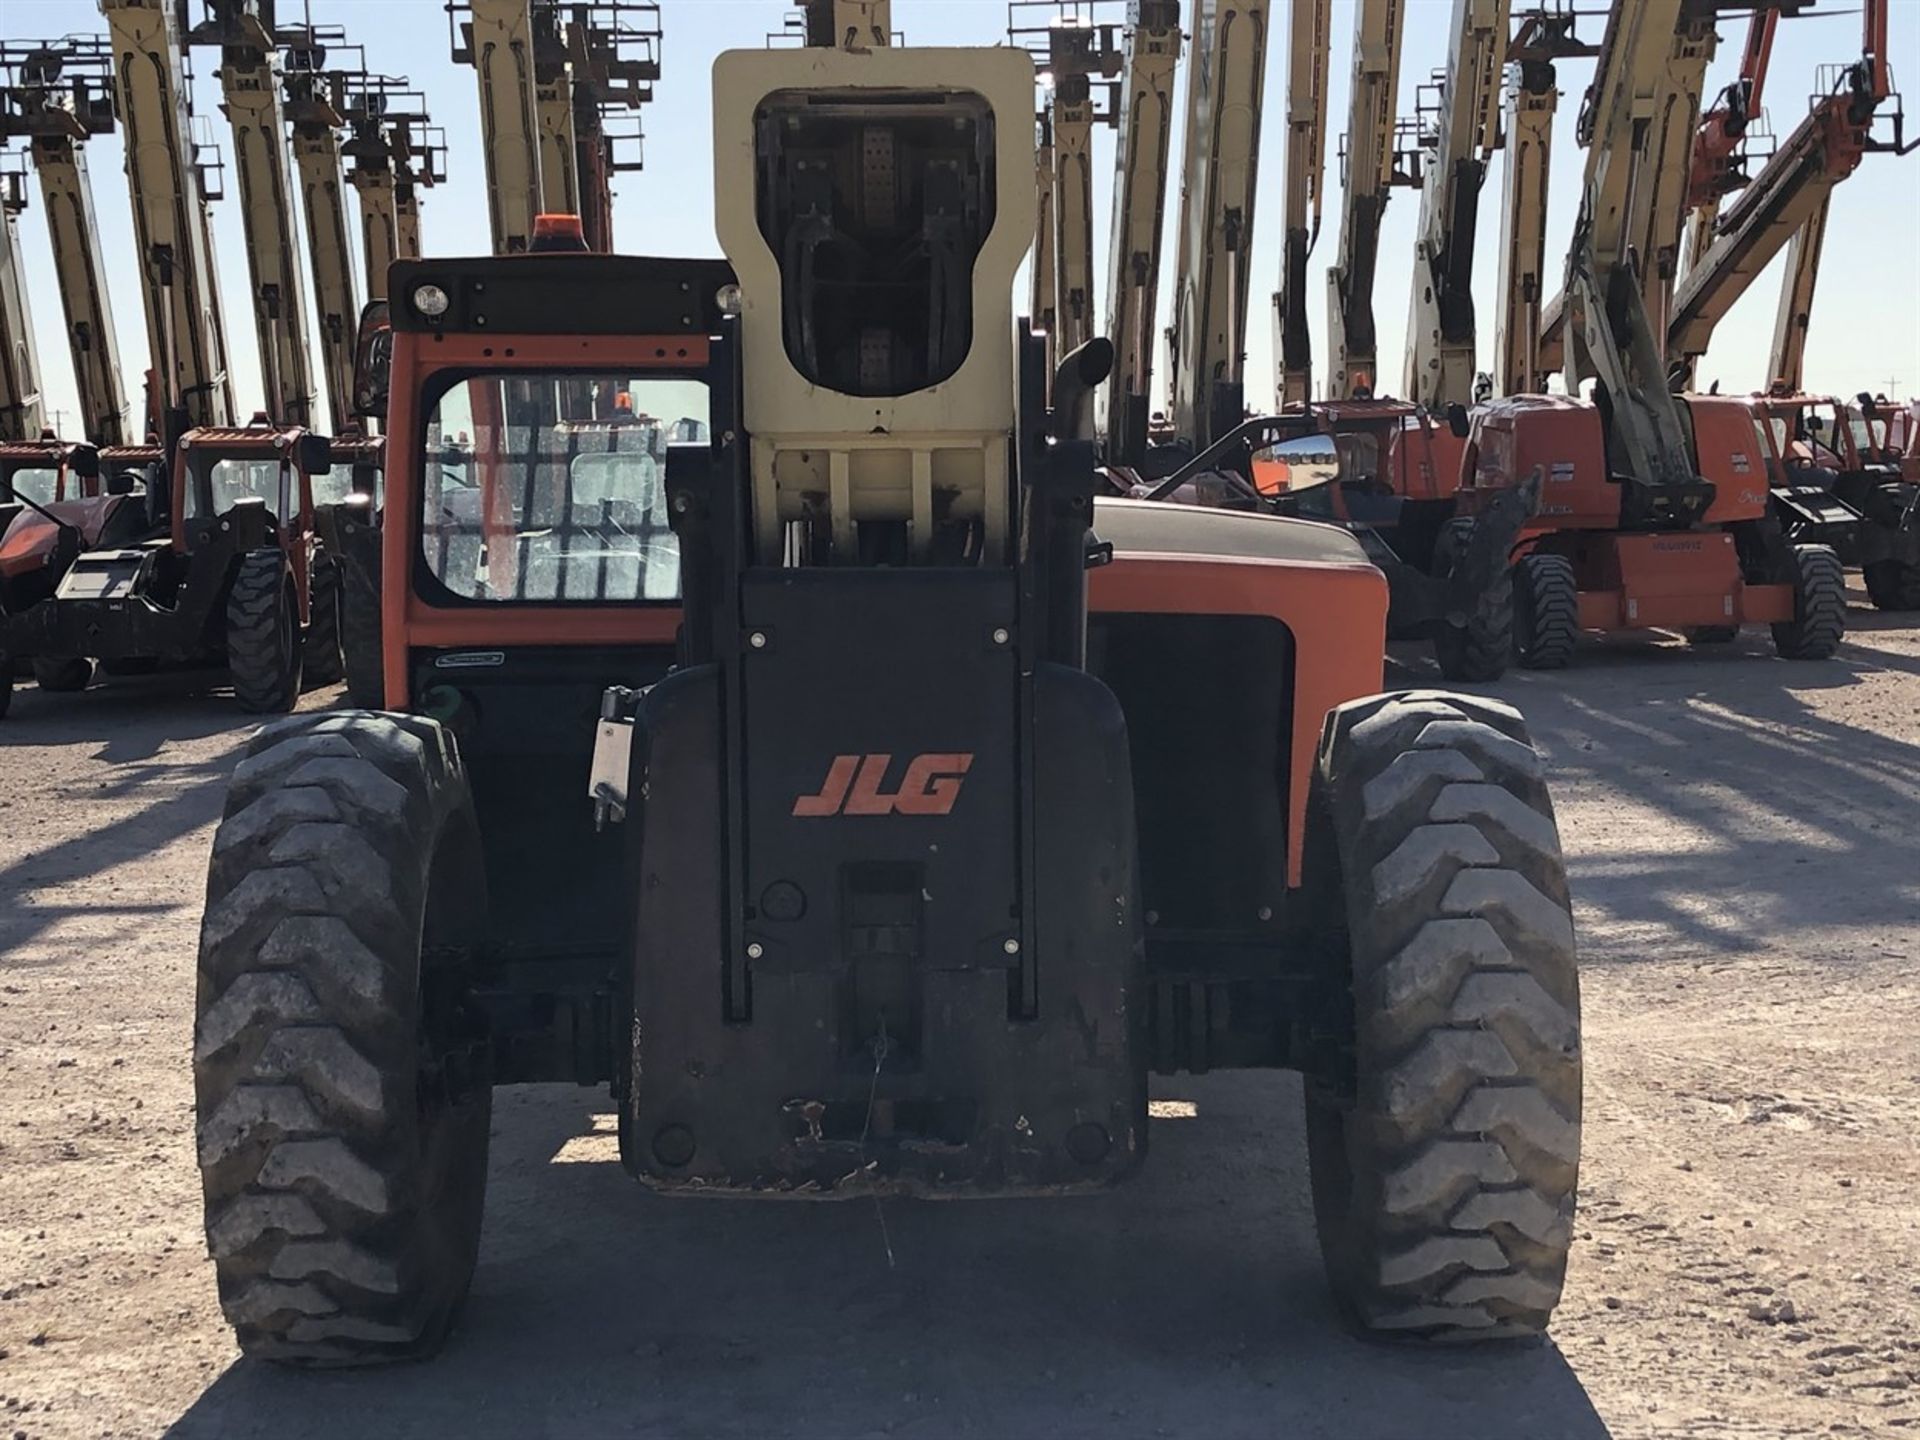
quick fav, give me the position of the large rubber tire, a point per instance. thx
(263, 634)
(1892, 584)
(1481, 649)
(320, 648)
(1546, 606)
(1445, 1167)
(360, 638)
(1819, 606)
(62, 677)
(343, 1097)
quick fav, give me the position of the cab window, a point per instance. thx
(38, 483)
(552, 487)
(221, 482)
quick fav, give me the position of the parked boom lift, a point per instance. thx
(1654, 512)
(393, 151)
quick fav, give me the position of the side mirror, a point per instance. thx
(1816, 424)
(313, 454)
(373, 360)
(1867, 407)
(84, 461)
(1459, 421)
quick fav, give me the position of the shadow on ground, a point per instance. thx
(1188, 1302)
(1716, 810)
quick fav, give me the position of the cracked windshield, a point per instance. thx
(550, 487)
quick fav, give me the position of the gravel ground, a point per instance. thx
(1746, 860)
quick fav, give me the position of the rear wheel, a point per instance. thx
(1819, 606)
(360, 636)
(1445, 1155)
(263, 634)
(1546, 605)
(1892, 584)
(1481, 648)
(63, 676)
(342, 1090)
(320, 649)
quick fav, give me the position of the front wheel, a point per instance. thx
(1546, 604)
(320, 648)
(1892, 584)
(62, 677)
(342, 1086)
(1480, 648)
(1819, 606)
(263, 634)
(1444, 1149)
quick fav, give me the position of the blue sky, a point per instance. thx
(1866, 327)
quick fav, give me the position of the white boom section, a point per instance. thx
(1441, 355)
(1532, 98)
(177, 278)
(68, 192)
(22, 411)
(1225, 79)
(1310, 48)
(500, 48)
(1139, 213)
(250, 95)
(1353, 362)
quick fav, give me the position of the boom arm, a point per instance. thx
(1532, 98)
(1788, 361)
(1718, 164)
(1225, 79)
(1796, 184)
(250, 91)
(1441, 357)
(497, 40)
(315, 100)
(1139, 209)
(184, 333)
(1307, 58)
(22, 414)
(1369, 182)
(1610, 338)
(393, 151)
(58, 96)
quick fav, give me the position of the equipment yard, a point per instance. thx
(1747, 1243)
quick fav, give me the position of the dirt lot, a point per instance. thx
(1743, 838)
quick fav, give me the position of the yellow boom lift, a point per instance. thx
(22, 410)
(58, 95)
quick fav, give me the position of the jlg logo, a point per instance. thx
(930, 786)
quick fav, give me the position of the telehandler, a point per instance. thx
(871, 810)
